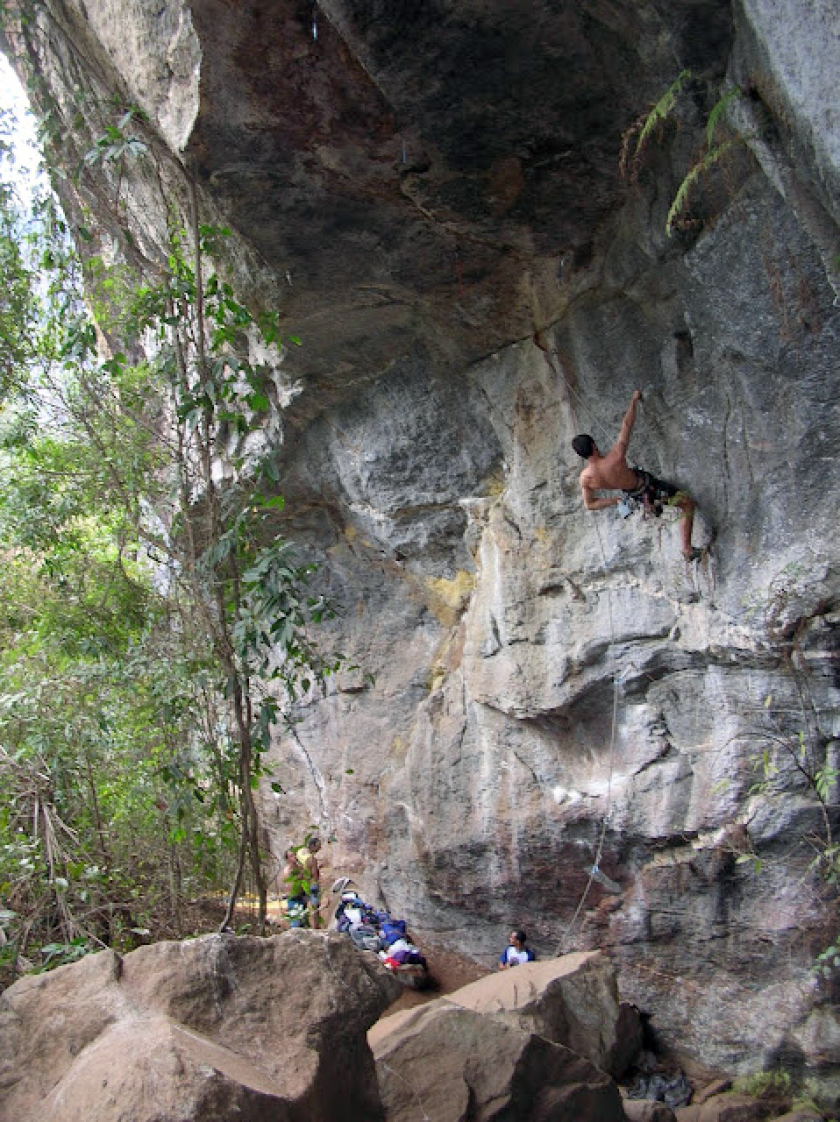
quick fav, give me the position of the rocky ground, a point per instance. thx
(274, 1029)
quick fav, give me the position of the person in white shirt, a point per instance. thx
(516, 952)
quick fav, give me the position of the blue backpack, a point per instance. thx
(391, 930)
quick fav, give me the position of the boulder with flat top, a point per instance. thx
(531, 1042)
(572, 1000)
(452, 1064)
(269, 1030)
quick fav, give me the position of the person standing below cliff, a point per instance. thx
(294, 887)
(611, 472)
(307, 856)
(516, 953)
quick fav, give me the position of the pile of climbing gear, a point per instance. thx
(372, 929)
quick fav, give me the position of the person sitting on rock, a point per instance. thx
(611, 472)
(516, 952)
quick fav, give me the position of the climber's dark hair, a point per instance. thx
(584, 445)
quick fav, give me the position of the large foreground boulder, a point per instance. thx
(451, 1064)
(268, 1030)
(529, 1043)
(572, 1000)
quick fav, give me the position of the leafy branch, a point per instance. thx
(644, 128)
(636, 139)
(168, 605)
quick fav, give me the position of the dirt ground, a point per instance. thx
(449, 972)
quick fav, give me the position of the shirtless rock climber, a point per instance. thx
(611, 472)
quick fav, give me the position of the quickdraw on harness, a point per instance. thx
(649, 497)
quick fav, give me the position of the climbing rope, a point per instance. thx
(595, 871)
(557, 370)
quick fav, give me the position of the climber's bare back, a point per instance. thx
(609, 473)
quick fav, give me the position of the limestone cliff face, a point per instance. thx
(431, 195)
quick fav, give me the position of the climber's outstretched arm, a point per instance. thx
(623, 442)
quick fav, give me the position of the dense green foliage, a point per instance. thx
(148, 609)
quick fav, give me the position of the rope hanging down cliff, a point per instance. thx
(611, 472)
(595, 871)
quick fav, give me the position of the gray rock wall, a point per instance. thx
(483, 761)
(433, 199)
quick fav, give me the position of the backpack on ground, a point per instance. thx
(365, 937)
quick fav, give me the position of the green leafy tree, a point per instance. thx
(155, 613)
